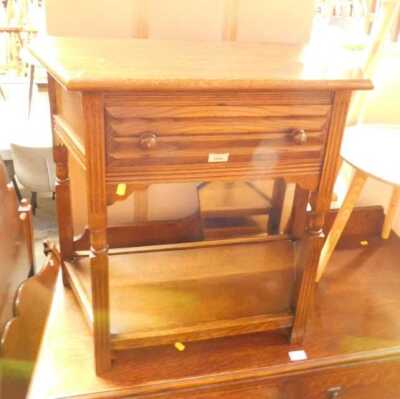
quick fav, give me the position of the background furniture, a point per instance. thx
(209, 20)
(368, 148)
(14, 34)
(16, 244)
(23, 333)
(34, 169)
(372, 151)
(20, 21)
(16, 264)
(32, 64)
(24, 303)
(32, 145)
(259, 115)
(353, 350)
(16, 44)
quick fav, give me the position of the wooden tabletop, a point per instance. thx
(355, 319)
(136, 64)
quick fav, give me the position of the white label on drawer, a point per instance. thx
(296, 356)
(213, 157)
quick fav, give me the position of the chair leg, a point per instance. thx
(17, 190)
(34, 202)
(31, 80)
(391, 213)
(338, 170)
(2, 94)
(341, 220)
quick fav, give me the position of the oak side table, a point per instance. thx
(133, 112)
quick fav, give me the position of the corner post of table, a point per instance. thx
(307, 262)
(310, 245)
(93, 111)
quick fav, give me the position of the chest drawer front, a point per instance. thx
(250, 391)
(217, 136)
(376, 380)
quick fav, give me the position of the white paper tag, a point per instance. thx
(214, 157)
(296, 356)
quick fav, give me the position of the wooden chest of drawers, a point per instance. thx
(137, 112)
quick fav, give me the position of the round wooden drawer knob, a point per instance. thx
(300, 136)
(148, 141)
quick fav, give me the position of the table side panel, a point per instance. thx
(69, 109)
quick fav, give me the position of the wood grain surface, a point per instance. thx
(135, 64)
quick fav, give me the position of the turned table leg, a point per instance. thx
(307, 261)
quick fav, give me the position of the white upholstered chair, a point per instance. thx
(34, 169)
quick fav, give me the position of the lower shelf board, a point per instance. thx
(194, 293)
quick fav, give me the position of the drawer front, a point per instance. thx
(253, 391)
(375, 380)
(378, 380)
(216, 137)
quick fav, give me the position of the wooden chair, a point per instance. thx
(16, 244)
(371, 150)
(22, 334)
(22, 315)
(34, 169)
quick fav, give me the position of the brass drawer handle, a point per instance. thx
(300, 136)
(334, 393)
(148, 141)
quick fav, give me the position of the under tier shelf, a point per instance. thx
(190, 293)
